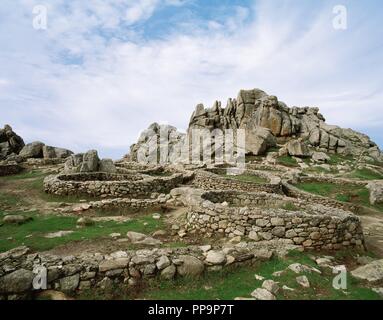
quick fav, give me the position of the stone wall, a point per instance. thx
(9, 169)
(130, 203)
(71, 274)
(210, 181)
(267, 217)
(107, 185)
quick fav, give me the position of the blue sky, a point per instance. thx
(104, 70)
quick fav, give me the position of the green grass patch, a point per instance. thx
(8, 200)
(365, 174)
(346, 193)
(252, 158)
(33, 182)
(32, 233)
(25, 175)
(287, 161)
(339, 159)
(290, 207)
(319, 170)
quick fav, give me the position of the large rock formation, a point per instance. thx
(254, 108)
(88, 162)
(10, 142)
(266, 121)
(13, 148)
(158, 141)
(38, 150)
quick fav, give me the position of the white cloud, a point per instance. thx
(124, 85)
(141, 10)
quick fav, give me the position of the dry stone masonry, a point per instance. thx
(263, 216)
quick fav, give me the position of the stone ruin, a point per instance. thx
(257, 220)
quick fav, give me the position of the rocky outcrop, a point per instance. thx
(38, 150)
(371, 272)
(259, 140)
(254, 108)
(13, 148)
(320, 157)
(158, 143)
(266, 121)
(297, 148)
(88, 162)
(376, 192)
(10, 142)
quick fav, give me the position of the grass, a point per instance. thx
(319, 170)
(339, 159)
(252, 158)
(240, 282)
(345, 193)
(9, 200)
(287, 161)
(290, 207)
(32, 182)
(25, 175)
(365, 174)
(32, 233)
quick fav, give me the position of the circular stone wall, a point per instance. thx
(210, 180)
(110, 185)
(262, 216)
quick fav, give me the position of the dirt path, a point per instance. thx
(28, 199)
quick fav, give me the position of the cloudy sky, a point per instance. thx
(103, 70)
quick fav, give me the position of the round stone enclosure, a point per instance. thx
(263, 216)
(111, 185)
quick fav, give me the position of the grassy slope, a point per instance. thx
(240, 282)
(32, 233)
(365, 174)
(346, 193)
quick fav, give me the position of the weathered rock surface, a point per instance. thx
(145, 150)
(297, 148)
(17, 281)
(16, 219)
(262, 294)
(376, 192)
(190, 266)
(259, 140)
(271, 286)
(320, 157)
(38, 150)
(10, 142)
(371, 272)
(88, 162)
(215, 257)
(303, 281)
(254, 109)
